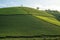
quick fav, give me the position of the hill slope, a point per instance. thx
(20, 21)
(23, 10)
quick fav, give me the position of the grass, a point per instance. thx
(12, 10)
(50, 20)
(21, 21)
(25, 25)
(23, 10)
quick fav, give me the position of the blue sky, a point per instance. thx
(43, 4)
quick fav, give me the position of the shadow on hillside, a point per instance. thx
(44, 37)
(13, 14)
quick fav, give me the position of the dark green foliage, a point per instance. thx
(55, 13)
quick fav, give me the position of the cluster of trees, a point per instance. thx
(55, 13)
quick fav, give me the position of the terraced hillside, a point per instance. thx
(24, 21)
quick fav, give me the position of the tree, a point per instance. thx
(37, 7)
(21, 5)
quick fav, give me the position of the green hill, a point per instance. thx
(24, 21)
